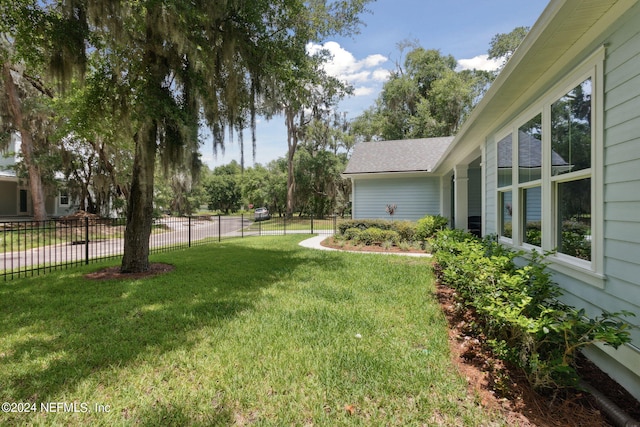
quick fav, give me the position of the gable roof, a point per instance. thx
(407, 155)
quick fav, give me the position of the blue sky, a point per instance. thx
(462, 28)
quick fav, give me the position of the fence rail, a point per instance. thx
(29, 248)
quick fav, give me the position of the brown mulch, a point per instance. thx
(502, 388)
(111, 273)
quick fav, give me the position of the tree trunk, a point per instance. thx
(140, 208)
(35, 178)
(292, 143)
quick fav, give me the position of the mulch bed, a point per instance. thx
(114, 273)
(504, 388)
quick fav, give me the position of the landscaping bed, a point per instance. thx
(502, 387)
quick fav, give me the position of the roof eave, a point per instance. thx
(501, 99)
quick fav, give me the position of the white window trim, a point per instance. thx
(590, 272)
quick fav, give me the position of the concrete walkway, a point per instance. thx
(314, 243)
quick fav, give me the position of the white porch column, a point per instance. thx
(461, 195)
(445, 198)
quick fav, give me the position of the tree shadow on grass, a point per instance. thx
(59, 329)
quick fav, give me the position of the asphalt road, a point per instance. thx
(176, 234)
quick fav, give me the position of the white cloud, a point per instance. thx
(374, 60)
(381, 75)
(480, 62)
(361, 77)
(363, 91)
(367, 72)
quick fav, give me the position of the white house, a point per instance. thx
(554, 147)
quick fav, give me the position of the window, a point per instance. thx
(546, 182)
(505, 178)
(23, 201)
(532, 216)
(530, 174)
(506, 213)
(530, 150)
(64, 198)
(571, 170)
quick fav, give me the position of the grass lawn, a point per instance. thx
(254, 331)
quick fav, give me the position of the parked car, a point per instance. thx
(261, 214)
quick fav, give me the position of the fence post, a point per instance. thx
(242, 225)
(284, 225)
(311, 223)
(86, 240)
(219, 229)
(335, 223)
(189, 230)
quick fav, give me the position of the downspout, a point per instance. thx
(613, 411)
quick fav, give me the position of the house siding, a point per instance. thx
(620, 288)
(414, 197)
(622, 173)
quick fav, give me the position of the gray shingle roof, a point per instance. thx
(529, 153)
(407, 155)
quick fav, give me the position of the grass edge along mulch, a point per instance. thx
(248, 331)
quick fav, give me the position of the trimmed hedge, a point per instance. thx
(407, 231)
(372, 236)
(518, 309)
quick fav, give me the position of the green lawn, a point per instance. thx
(254, 331)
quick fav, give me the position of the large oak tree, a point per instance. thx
(170, 65)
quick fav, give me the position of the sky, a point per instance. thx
(462, 28)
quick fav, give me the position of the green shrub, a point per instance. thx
(351, 233)
(402, 230)
(574, 240)
(406, 230)
(376, 236)
(428, 226)
(363, 224)
(518, 309)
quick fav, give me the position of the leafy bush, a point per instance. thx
(406, 230)
(428, 226)
(363, 224)
(574, 240)
(518, 309)
(376, 236)
(351, 233)
(371, 236)
(402, 230)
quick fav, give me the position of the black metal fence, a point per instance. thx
(29, 248)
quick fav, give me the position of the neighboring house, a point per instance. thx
(574, 85)
(15, 196)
